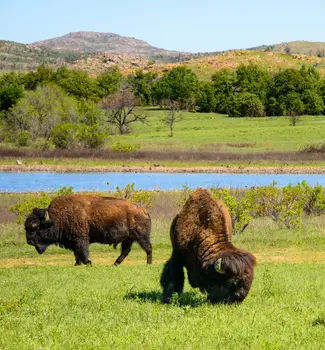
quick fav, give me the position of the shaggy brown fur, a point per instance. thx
(75, 221)
(201, 240)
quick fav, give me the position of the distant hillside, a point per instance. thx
(90, 42)
(309, 48)
(15, 56)
(204, 66)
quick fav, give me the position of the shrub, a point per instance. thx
(64, 136)
(246, 104)
(142, 197)
(283, 205)
(91, 136)
(239, 204)
(123, 147)
(23, 138)
(36, 200)
(314, 202)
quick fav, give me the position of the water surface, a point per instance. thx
(47, 181)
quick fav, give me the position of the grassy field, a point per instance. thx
(47, 303)
(216, 132)
(200, 139)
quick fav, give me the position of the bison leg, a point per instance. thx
(126, 247)
(146, 246)
(81, 252)
(172, 278)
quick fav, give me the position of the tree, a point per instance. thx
(254, 79)
(121, 110)
(77, 83)
(109, 81)
(40, 110)
(42, 75)
(173, 115)
(11, 90)
(206, 101)
(224, 89)
(179, 84)
(141, 84)
(246, 104)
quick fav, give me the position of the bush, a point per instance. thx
(239, 204)
(143, 198)
(91, 136)
(283, 205)
(64, 136)
(23, 138)
(246, 104)
(123, 147)
(36, 200)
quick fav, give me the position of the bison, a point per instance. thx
(201, 241)
(74, 221)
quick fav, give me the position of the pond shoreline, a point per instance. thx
(165, 169)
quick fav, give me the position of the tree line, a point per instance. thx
(69, 107)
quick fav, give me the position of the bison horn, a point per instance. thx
(46, 216)
(217, 266)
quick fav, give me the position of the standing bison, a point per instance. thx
(201, 240)
(74, 221)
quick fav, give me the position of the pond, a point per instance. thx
(47, 181)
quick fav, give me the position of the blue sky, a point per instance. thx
(185, 25)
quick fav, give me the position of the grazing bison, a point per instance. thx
(74, 221)
(201, 240)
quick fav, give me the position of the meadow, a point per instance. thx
(47, 303)
(200, 140)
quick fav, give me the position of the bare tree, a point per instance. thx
(121, 110)
(173, 115)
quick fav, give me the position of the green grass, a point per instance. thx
(105, 307)
(47, 303)
(216, 132)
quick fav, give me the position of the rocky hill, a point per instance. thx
(204, 66)
(16, 56)
(309, 48)
(93, 42)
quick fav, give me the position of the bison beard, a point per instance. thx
(75, 221)
(201, 240)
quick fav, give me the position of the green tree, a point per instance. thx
(42, 75)
(179, 84)
(141, 84)
(40, 110)
(90, 113)
(77, 83)
(246, 104)
(254, 79)
(224, 89)
(109, 81)
(206, 100)
(11, 90)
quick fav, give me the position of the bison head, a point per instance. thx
(230, 277)
(38, 227)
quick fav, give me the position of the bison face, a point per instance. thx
(37, 227)
(230, 278)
